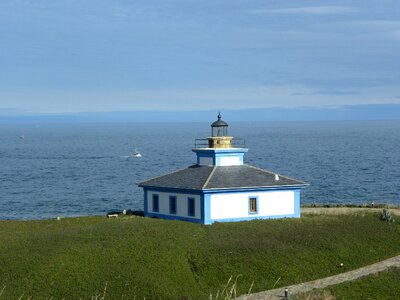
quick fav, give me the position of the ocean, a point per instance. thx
(50, 170)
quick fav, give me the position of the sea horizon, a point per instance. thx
(51, 170)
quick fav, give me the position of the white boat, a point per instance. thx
(135, 154)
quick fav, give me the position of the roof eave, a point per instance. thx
(178, 189)
(269, 187)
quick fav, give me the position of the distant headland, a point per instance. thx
(300, 113)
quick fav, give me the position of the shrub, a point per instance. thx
(386, 215)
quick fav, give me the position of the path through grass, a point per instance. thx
(381, 286)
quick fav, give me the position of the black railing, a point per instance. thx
(203, 143)
(239, 143)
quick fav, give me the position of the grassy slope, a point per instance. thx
(151, 258)
(384, 285)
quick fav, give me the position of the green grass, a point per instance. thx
(384, 285)
(351, 205)
(139, 257)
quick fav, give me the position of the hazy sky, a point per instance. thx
(107, 55)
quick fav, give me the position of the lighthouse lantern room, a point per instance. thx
(219, 134)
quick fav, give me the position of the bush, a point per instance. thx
(386, 215)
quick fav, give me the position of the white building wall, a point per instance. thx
(206, 161)
(181, 204)
(229, 161)
(236, 205)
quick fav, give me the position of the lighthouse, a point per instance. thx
(220, 187)
(219, 149)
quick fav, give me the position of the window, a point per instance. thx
(191, 211)
(253, 205)
(172, 205)
(156, 203)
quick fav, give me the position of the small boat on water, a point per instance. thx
(135, 154)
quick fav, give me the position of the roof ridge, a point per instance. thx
(209, 177)
(273, 173)
(155, 177)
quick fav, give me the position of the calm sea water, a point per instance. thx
(83, 169)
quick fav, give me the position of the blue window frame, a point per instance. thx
(253, 205)
(191, 208)
(172, 205)
(156, 203)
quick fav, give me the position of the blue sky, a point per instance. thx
(109, 55)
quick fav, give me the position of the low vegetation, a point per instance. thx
(384, 285)
(134, 257)
(351, 205)
(387, 215)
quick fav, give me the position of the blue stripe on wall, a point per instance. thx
(145, 208)
(168, 217)
(254, 218)
(297, 203)
(207, 213)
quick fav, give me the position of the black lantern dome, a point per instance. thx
(219, 127)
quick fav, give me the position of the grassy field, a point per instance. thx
(384, 285)
(157, 259)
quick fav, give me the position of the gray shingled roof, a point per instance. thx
(221, 177)
(192, 178)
